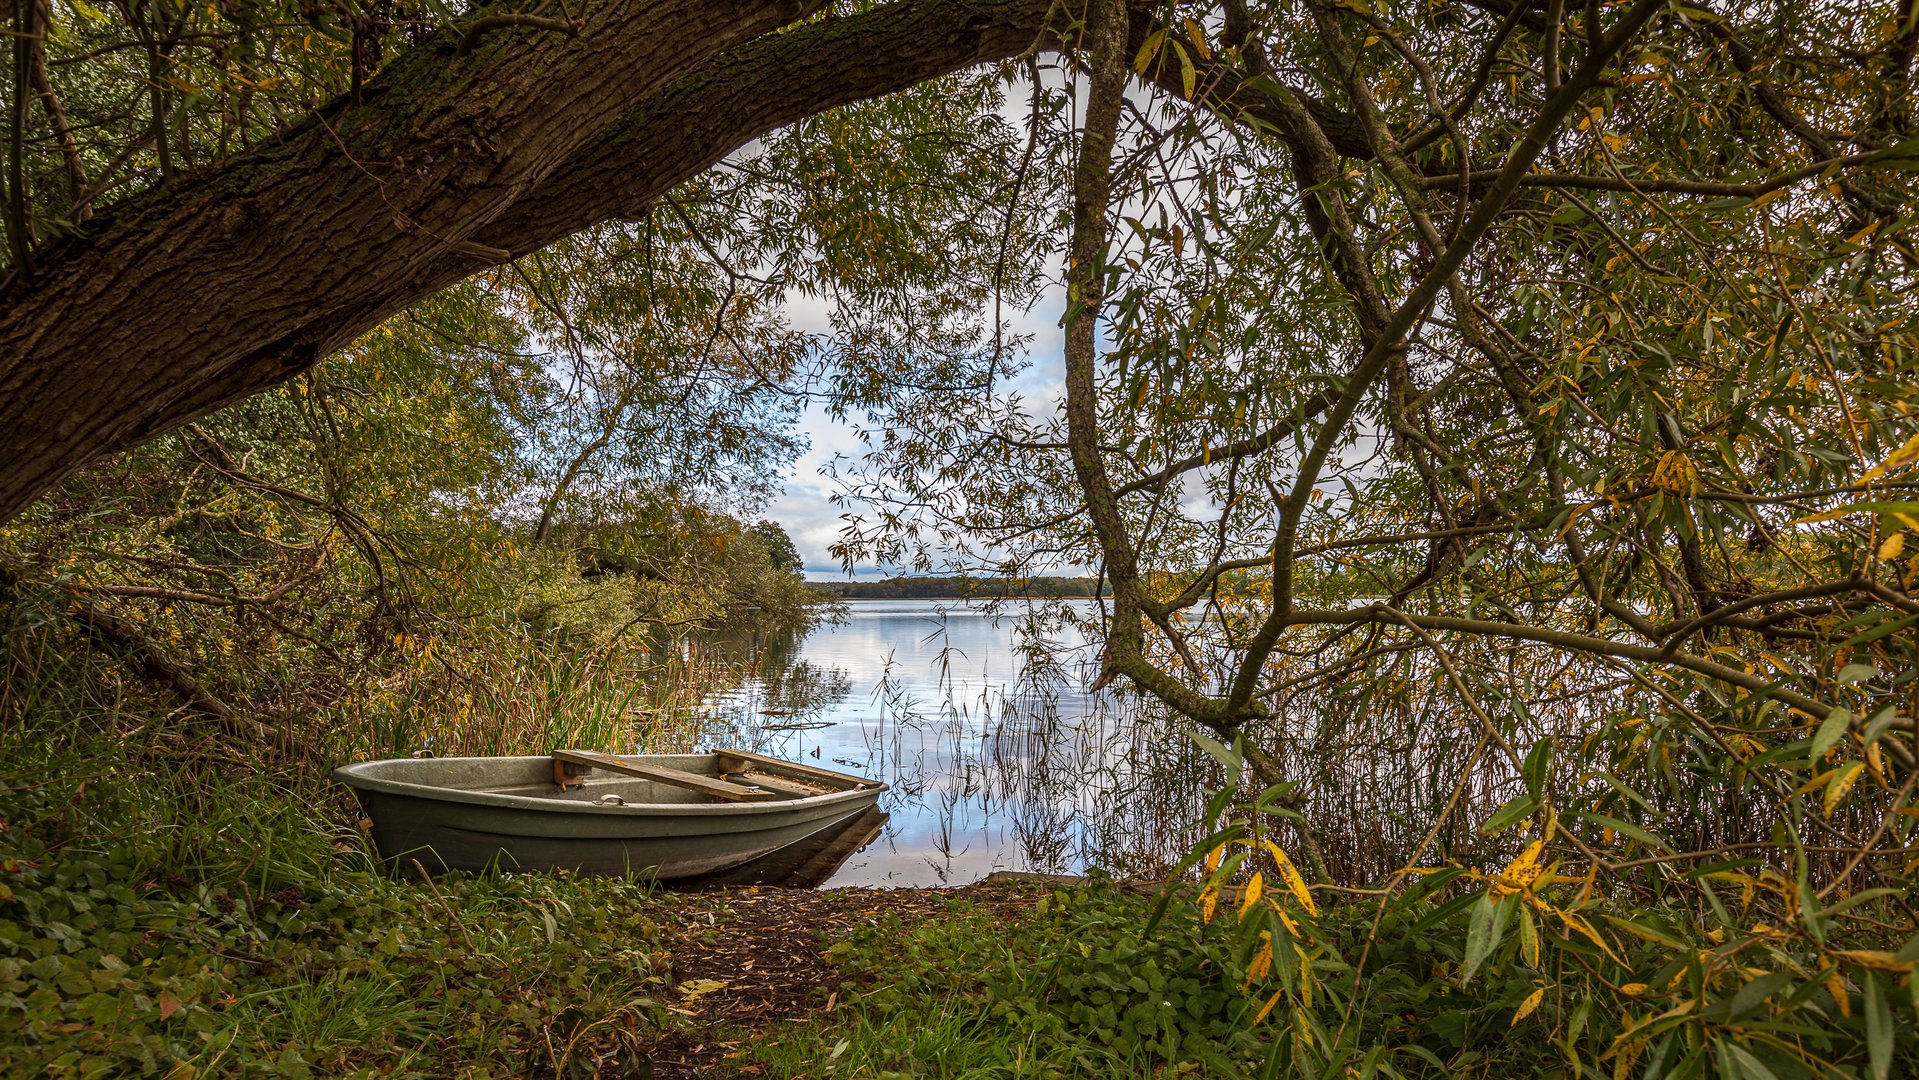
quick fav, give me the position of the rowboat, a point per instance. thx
(664, 816)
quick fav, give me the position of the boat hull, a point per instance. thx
(483, 813)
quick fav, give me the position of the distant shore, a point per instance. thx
(961, 588)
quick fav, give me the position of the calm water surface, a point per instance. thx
(998, 755)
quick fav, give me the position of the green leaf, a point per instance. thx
(1528, 938)
(1538, 766)
(1865, 896)
(1908, 953)
(1228, 756)
(1831, 730)
(1810, 913)
(1736, 1060)
(1624, 829)
(1884, 629)
(1698, 14)
(1754, 993)
(1878, 1026)
(1645, 930)
(1854, 673)
(1903, 150)
(1482, 936)
(1515, 810)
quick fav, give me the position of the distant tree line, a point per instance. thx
(960, 587)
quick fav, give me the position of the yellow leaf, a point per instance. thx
(1208, 900)
(1865, 232)
(1527, 1006)
(1676, 473)
(1898, 459)
(1633, 989)
(1875, 959)
(1826, 515)
(1268, 1007)
(1198, 37)
(1295, 882)
(1628, 1057)
(1574, 922)
(1574, 517)
(1262, 960)
(1816, 782)
(1251, 895)
(1521, 873)
(1149, 51)
(1893, 545)
(1285, 919)
(1842, 780)
(1836, 985)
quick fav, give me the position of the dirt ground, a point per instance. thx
(748, 960)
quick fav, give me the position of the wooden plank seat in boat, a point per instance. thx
(705, 785)
(746, 761)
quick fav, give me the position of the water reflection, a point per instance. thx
(998, 754)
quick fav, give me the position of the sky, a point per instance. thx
(805, 508)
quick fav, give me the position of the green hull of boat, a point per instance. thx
(506, 812)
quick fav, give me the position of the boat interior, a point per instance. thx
(590, 777)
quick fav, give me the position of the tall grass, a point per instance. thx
(169, 907)
(524, 695)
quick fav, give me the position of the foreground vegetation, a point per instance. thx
(1099, 982)
(170, 910)
(163, 913)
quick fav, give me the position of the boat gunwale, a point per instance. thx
(354, 775)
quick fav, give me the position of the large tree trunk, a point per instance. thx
(224, 284)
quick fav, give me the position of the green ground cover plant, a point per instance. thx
(1104, 982)
(213, 922)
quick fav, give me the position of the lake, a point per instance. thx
(998, 754)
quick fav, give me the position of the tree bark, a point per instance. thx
(223, 284)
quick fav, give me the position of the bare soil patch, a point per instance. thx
(748, 961)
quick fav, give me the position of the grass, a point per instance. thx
(521, 695)
(1072, 989)
(214, 922)
(167, 914)
(167, 909)
(173, 904)
(1094, 983)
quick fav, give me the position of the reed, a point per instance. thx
(524, 695)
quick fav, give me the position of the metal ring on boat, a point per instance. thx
(610, 799)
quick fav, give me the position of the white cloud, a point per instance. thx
(804, 506)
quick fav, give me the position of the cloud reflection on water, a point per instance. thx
(998, 755)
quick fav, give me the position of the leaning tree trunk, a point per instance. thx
(218, 286)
